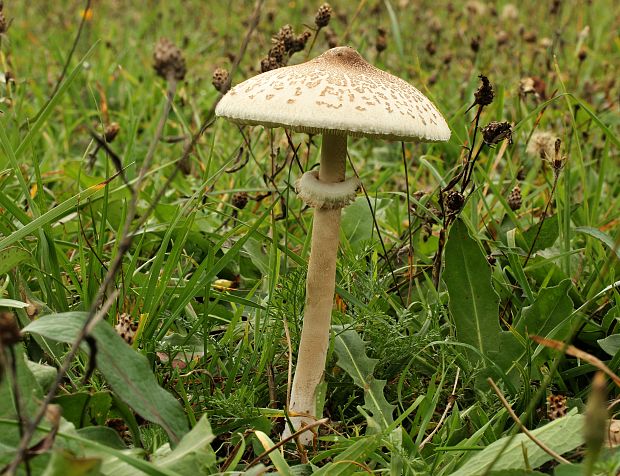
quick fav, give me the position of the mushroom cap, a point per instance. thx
(337, 92)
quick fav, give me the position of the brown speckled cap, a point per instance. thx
(337, 92)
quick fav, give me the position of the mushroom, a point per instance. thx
(337, 94)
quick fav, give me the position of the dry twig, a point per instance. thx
(522, 427)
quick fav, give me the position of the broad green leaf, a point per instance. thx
(356, 222)
(610, 344)
(85, 408)
(104, 435)
(561, 435)
(63, 463)
(352, 358)
(474, 304)
(601, 236)
(114, 462)
(30, 390)
(11, 257)
(193, 455)
(127, 371)
(516, 472)
(551, 308)
(549, 232)
(44, 374)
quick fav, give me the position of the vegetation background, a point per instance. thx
(124, 204)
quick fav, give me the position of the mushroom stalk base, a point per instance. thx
(320, 287)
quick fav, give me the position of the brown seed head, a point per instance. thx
(240, 200)
(559, 160)
(300, 42)
(220, 79)
(286, 35)
(168, 60)
(4, 24)
(530, 36)
(278, 52)
(323, 15)
(454, 202)
(502, 37)
(515, 200)
(556, 406)
(9, 330)
(494, 132)
(381, 41)
(474, 44)
(331, 37)
(542, 145)
(582, 55)
(431, 49)
(111, 131)
(484, 94)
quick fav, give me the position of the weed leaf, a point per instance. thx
(474, 304)
(561, 435)
(127, 371)
(352, 358)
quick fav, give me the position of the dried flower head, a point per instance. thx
(454, 202)
(484, 94)
(532, 85)
(240, 200)
(220, 79)
(4, 24)
(111, 131)
(502, 37)
(126, 328)
(542, 144)
(582, 55)
(475, 8)
(515, 199)
(286, 35)
(559, 160)
(277, 56)
(300, 42)
(545, 42)
(381, 40)
(434, 24)
(168, 60)
(323, 15)
(494, 132)
(556, 406)
(474, 44)
(529, 36)
(431, 49)
(331, 37)
(510, 12)
(9, 330)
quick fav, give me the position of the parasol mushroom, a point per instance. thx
(337, 94)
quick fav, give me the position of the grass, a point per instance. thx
(217, 291)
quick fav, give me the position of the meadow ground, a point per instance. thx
(465, 267)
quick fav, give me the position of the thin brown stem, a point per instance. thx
(522, 427)
(283, 441)
(449, 406)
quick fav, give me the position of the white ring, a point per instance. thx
(326, 195)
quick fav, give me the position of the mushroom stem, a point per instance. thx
(320, 287)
